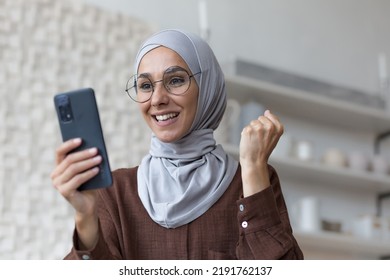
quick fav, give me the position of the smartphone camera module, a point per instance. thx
(65, 109)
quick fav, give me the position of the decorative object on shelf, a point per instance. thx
(302, 150)
(334, 157)
(332, 226)
(306, 214)
(379, 199)
(378, 140)
(379, 165)
(290, 80)
(372, 227)
(358, 161)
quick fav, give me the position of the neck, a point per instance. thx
(194, 145)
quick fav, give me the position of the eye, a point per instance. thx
(177, 81)
(144, 85)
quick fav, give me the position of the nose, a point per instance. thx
(160, 95)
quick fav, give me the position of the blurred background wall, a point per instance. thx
(335, 41)
(46, 47)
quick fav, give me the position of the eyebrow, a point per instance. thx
(174, 69)
(144, 75)
(169, 70)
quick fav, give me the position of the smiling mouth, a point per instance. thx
(161, 118)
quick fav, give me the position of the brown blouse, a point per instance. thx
(255, 227)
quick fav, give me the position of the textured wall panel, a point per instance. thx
(47, 47)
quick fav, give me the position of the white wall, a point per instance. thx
(332, 40)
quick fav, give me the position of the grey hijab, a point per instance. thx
(180, 181)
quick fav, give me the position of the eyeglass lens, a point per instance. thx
(176, 80)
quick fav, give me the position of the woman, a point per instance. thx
(188, 199)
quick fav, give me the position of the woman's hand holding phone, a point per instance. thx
(72, 170)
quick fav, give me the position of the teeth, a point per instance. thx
(165, 117)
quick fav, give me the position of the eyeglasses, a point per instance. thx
(176, 81)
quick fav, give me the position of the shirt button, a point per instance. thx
(242, 207)
(244, 224)
(85, 257)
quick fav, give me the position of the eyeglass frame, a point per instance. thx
(154, 82)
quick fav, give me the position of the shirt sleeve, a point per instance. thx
(264, 226)
(106, 248)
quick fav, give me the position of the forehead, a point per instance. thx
(159, 59)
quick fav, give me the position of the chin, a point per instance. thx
(167, 138)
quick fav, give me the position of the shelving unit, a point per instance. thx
(339, 114)
(317, 108)
(316, 172)
(345, 244)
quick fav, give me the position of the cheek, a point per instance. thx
(194, 106)
(142, 108)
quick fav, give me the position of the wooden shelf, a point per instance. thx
(317, 173)
(344, 243)
(309, 106)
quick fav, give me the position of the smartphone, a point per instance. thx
(78, 117)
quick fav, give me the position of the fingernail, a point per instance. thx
(95, 169)
(77, 140)
(97, 158)
(93, 150)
